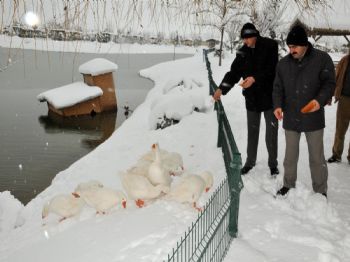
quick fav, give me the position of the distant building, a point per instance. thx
(188, 42)
(57, 34)
(211, 43)
(103, 37)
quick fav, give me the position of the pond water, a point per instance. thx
(36, 145)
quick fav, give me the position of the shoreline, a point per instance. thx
(41, 44)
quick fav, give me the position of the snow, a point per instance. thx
(180, 95)
(69, 95)
(98, 66)
(302, 227)
(9, 208)
(90, 47)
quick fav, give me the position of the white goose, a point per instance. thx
(191, 187)
(102, 199)
(172, 161)
(157, 174)
(140, 189)
(88, 185)
(64, 206)
(150, 155)
(141, 168)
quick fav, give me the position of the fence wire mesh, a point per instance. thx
(210, 236)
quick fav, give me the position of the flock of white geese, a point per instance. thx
(150, 178)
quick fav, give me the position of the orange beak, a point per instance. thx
(124, 203)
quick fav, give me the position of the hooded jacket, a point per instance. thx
(260, 63)
(297, 83)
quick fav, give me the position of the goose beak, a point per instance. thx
(124, 203)
(207, 189)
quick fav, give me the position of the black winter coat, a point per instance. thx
(259, 62)
(297, 83)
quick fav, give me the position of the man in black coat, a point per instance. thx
(304, 84)
(255, 63)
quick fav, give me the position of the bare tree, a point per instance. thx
(268, 15)
(310, 4)
(233, 30)
(218, 14)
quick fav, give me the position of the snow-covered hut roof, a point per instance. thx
(97, 66)
(333, 20)
(70, 95)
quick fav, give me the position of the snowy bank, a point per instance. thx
(133, 234)
(90, 47)
(303, 227)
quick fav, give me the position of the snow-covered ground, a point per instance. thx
(303, 227)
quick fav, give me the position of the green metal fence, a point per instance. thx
(209, 237)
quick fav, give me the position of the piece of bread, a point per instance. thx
(311, 105)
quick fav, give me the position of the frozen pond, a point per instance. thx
(35, 146)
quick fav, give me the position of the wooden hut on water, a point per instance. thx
(95, 95)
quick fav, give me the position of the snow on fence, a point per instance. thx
(210, 236)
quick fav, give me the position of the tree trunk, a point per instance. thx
(221, 44)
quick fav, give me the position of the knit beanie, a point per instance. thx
(249, 30)
(297, 36)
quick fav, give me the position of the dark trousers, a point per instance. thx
(270, 137)
(343, 119)
(317, 162)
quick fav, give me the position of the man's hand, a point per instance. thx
(278, 113)
(248, 82)
(217, 94)
(312, 106)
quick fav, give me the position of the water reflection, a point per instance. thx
(99, 127)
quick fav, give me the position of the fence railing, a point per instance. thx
(210, 236)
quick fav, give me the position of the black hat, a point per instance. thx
(249, 30)
(297, 36)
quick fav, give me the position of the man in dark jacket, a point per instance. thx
(304, 83)
(255, 63)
